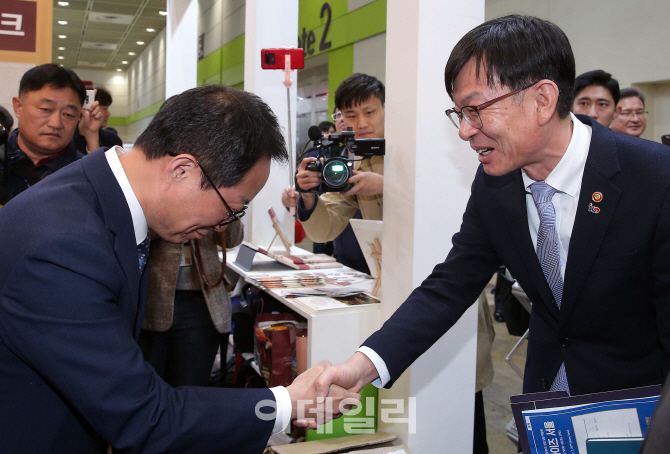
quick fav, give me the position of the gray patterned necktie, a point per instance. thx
(548, 253)
(143, 252)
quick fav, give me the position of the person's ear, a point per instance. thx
(18, 105)
(183, 167)
(546, 101)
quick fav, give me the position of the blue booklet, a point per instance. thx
(566, 429)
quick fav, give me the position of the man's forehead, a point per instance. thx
(372, 101)
(49, 94)
(471, 85)
(631, 101)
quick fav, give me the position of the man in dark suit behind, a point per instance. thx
(72, 294)
(593, 258)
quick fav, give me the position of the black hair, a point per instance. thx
(597, 77)
(54, 76)
(325, 126)
(356, 89)
(631, 92)
(227, 130)
(6, 120)
(103, 96)
(517, 51)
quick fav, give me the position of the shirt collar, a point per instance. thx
(567, 175)
(139, 220)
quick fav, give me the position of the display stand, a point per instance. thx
(280, 232)
(334, 334)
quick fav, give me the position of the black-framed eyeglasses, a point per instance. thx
(471, 113)
(232, 216)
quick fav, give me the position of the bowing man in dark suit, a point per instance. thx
(73, 285)
(580, 216)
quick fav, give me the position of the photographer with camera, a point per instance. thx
(361, 99)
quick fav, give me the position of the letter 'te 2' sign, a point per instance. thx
(307, 40)
(18, 25)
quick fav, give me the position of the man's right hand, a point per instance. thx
(353, 375)
(306, 180)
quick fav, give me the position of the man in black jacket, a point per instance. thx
(48, 108)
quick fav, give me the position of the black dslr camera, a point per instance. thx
(336, 171)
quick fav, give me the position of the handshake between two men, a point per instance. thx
(325, 392)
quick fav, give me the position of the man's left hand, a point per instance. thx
(91, 120)
(366, 183)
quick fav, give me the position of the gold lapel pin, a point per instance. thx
(597, 197)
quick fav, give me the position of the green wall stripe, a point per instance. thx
(309, 11)
(223, 66)
(116, 121)
(144, 113)
(137, 116)
(340, 66)
(209, 69)
(232, 54)
(361, 23)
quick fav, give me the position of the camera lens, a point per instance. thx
(335, 173)
(269, 58)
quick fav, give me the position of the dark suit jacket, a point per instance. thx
(613, 330)
(72, 376)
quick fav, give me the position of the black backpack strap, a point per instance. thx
(26, 170)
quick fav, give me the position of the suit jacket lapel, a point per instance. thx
(119, 221)
(589, 228)
(513, 202)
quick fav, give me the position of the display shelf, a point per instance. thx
(333, 334)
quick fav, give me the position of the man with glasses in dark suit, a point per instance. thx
(578, 214)
(73, 284)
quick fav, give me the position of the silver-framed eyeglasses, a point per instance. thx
(231, 216)
(336, 116)
(630, 113)
(471, 113)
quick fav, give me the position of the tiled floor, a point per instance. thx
(505, 383)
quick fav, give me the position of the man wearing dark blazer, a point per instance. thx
(73, 285)
(591, 252)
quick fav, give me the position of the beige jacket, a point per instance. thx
(163, 262)
(333, 210)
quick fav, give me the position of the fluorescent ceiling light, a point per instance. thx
(141, 43)
(62, 36)
(151, 30)
(119, 70)
(64, 3)
(131, 53)
(61, 48)
(60, 57)
(62, 22)
(124, 62)
(162, 13)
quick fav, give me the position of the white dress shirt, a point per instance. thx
(566, 178)
(282, 397)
